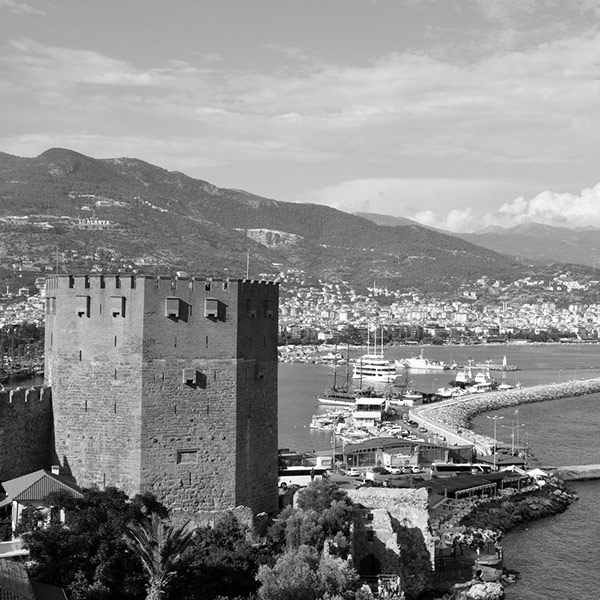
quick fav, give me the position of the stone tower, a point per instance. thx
(166, 385)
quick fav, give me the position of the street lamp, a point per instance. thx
(512, 435)
(495, 418)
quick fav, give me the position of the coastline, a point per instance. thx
(452, 418)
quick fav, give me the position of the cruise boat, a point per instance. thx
(374, 368)
(420, 362)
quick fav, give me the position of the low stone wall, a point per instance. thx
(578, 472)
(452, 418)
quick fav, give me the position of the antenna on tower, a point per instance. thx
(247, 263)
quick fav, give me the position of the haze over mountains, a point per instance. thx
(124, 210)
(527, 241)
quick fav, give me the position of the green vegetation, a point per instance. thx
(111, 547)
(167, 221)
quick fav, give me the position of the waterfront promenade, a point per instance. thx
(452, 418)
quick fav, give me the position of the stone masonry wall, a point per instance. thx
(409, 507)
(167, 385)
(25, 431)
(93, 357)
(211, 444)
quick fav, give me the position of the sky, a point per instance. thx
(459, 114)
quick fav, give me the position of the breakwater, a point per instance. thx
(452, 418)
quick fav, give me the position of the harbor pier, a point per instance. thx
(452, 418)
(578, 472)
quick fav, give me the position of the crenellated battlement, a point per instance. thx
(162, 283)
(18, 395)
(26, 425)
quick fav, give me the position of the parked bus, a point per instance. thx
(301, 475)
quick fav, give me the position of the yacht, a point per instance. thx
(374, 368)
(420, 362)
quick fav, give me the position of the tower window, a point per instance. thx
(251, 308)
(82, 304)
(269, 309)
(51, 306)
(172, 307)
(117, 306)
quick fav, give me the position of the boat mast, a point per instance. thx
(335, 368)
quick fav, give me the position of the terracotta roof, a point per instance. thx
(15, 584)
(36, 486)
(14, 581)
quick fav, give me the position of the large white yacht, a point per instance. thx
(374, 368)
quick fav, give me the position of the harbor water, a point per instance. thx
(557, 557)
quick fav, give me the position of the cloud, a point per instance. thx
(52, 66)
(20, 7)
(410, 198)
(475, 203)
(549, 208)
(552, 208)
(535, 106)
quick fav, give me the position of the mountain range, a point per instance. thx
(541, 243)
(530, 242)
(124, 211)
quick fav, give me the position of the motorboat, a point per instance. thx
(420, 362)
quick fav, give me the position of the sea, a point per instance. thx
(557, 557)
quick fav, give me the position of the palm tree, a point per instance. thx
(159, 545)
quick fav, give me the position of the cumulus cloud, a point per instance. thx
(552, 208)
(549, 208)
(424, 200)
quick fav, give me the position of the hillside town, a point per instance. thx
(323, 311)
(319, 311)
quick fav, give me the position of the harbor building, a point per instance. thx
(166, 385)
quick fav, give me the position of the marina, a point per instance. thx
(557, 556)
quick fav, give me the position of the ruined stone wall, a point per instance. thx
(410, 507)
(382, 543)
(167, 385)
(25, 431)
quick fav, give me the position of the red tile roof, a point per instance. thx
(36, 486)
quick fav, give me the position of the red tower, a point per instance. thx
(166, 385)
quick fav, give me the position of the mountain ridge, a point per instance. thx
(165, 221)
